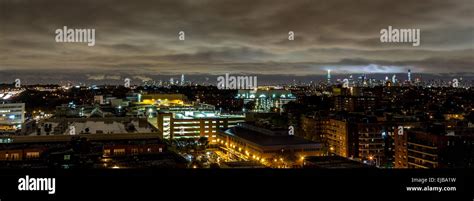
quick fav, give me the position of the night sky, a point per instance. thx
(140, 38)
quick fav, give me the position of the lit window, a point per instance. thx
(119, 151)
(134, 151)
(32, 155)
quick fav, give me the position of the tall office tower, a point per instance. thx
(329, 76)
(364, 81)
(394, 79)
(182, 79)
(409, 75)
(171, 81)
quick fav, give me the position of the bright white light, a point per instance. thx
(7, 96)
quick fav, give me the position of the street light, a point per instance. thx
(375, 160)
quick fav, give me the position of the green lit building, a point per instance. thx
(266, 100)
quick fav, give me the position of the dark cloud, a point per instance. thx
(245, 36)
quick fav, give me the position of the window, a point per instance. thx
(119, 151)
(106, 151)
(32, 155)
(134, 151)
(15, 156)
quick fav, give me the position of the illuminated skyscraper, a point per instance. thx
(182, 79)
(329, 76)
(409, 75)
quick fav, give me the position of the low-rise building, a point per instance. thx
(266, 146)
(12, 116)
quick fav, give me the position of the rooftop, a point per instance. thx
(332, 162)
(267, 140)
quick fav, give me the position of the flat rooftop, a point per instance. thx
(267, 140)
(96, 126)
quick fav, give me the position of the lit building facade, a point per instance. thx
(12, 116)
(401, 152)
(435, 149)
(371, 140)
(334, 133)
(354, 103)
(194, 124)
(338, 139)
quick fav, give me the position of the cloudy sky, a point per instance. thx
(140, 37)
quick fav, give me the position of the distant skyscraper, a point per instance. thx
(394, 79)
(182, 79)
(171, 81)
(329, 76)
(409, 75)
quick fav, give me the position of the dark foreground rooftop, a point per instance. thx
(331, 162)
(267, 140)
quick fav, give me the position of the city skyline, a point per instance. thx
(52, 77)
